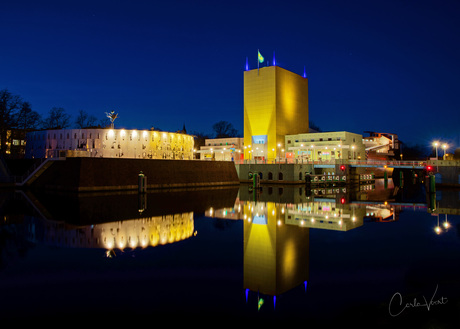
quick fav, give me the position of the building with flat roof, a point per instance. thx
(222, 149)
(275, 105)
(109, 143)
(325, 146)
(15, 144)
(382, 146)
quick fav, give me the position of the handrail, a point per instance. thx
(378, 163)
(20, 180)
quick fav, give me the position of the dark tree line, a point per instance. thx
(15, 113)
(222, 129)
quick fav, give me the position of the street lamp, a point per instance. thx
(437, 229)
(444, 147)
(436, 146)
(446, 223)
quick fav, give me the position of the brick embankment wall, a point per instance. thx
(93, 174)
(108, 206)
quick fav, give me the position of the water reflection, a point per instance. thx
(278, 221)
(275, 228)
(111, 220)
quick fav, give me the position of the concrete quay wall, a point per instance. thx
(274, 173)
(96, 174)
(448, 176)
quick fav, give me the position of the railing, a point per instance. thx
(379, 163)
(370, 163)
(21, 178)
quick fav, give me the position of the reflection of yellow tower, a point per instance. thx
(275, 105)
(276, 255)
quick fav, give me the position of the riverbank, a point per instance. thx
(108, 174)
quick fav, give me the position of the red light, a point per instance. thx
(342, 200)
(429, 168)
(342, 167)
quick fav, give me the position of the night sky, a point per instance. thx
(387, 66)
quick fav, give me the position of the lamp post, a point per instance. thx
(436, 147)
(278, 154)
(444, 147)
(300, 152)
(446, 223)
(437, 229)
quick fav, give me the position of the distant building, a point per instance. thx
(382, 146)
(109, 143)
(222, 149)
(325, 146)
(275, 105)
(15, 145)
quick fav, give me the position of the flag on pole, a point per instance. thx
(261, 58)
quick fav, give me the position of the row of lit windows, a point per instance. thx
(108, 135)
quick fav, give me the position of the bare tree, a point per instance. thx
(9, 106)
(57, 119)
(224, 129)
(84, 120)
(199, 138)
(104, 122)
(27, 118)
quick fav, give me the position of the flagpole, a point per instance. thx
(258, 51)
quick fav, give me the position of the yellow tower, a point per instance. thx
(275, 105)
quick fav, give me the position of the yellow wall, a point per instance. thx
(275, 104)
(276, 255)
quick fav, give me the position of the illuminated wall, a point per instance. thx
(276, 255)
(109, 143)
(275, 105)
(326, 146)
(134, 233)
(222, 149)
(324, 213)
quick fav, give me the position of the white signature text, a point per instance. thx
(397, 306)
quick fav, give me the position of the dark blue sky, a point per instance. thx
(389, 66)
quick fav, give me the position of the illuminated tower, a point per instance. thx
(275, 105)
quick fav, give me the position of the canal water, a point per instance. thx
(372, 256)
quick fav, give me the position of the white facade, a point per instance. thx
(381, 145)
(109, 143)
(222, 149)
(325, 146)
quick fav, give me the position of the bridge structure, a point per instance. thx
(355, 163)
(428, 165)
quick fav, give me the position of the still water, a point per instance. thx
(374, 256)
